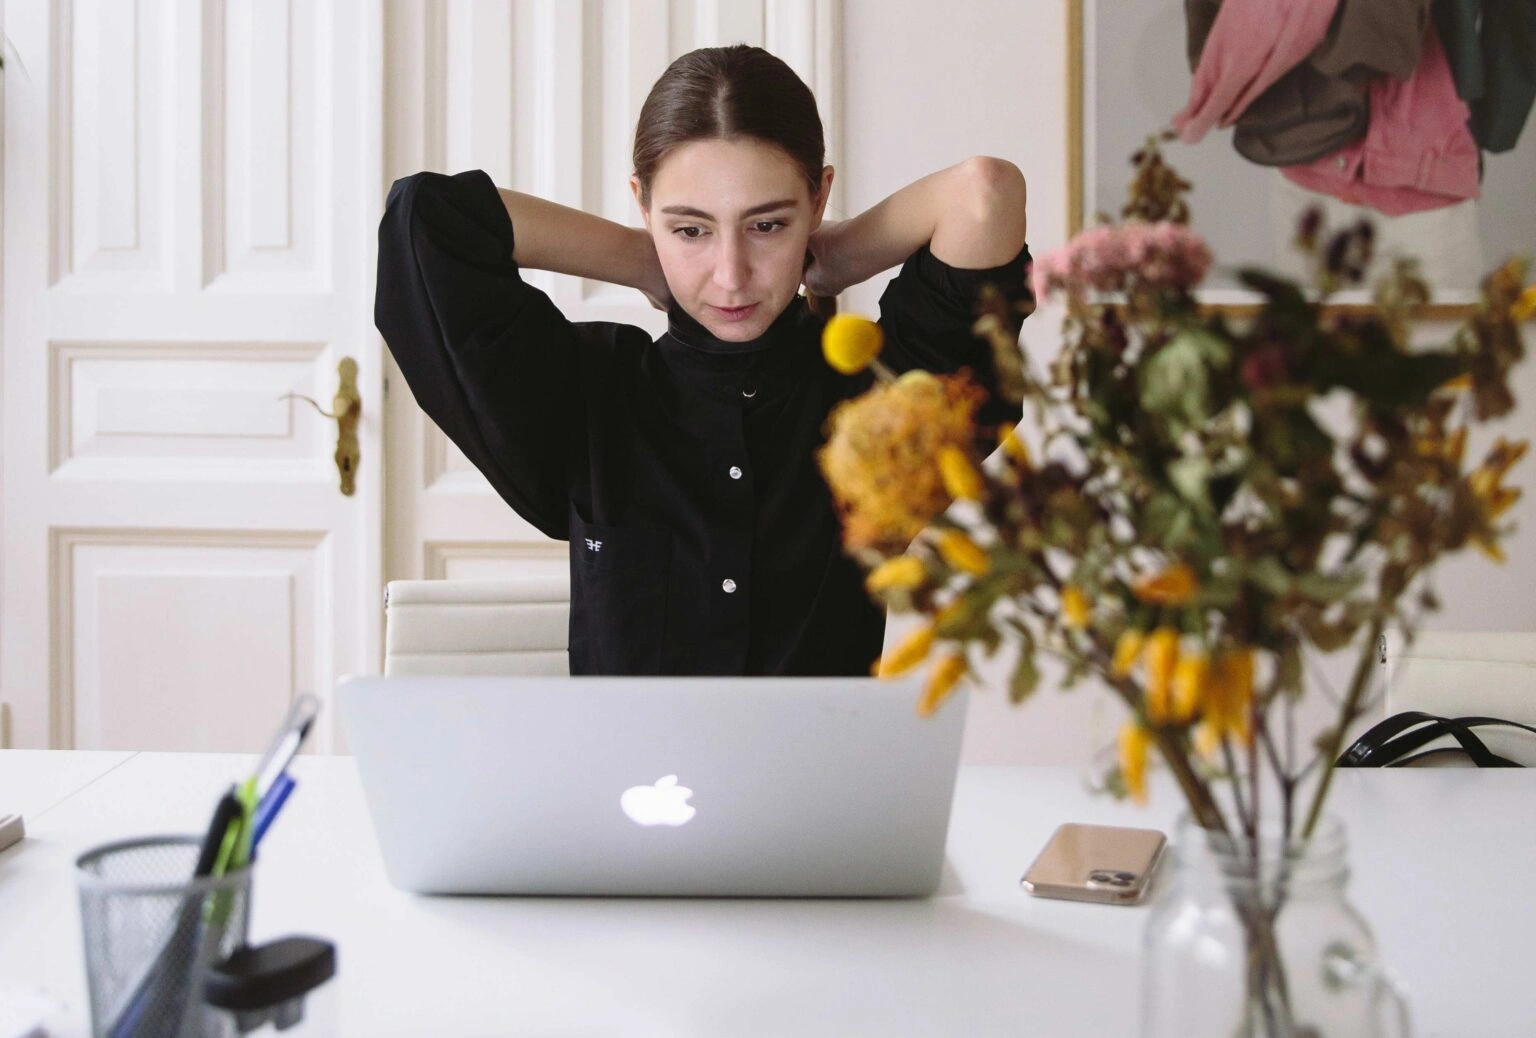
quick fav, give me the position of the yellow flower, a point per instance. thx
(963, 553)
(1189, 685)
(1449, 449)
(1489, 547)
(949, 612)
(1075, 610)
(1162, 657)
(1492, 497)
(850, 342)
(1174, 586)
(960, 477)
(1134, 741)
(1525, 306)
(1229, 692)
(907, 653)
(904, 571)
(942, 680)
(1013, 447)
(1456, 446)
(881, 456)
(1208, 739)
(1127, 651)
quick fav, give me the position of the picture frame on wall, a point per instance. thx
(1129, 74)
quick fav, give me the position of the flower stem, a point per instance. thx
(1346, 717)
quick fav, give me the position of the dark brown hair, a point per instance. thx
(722, 93)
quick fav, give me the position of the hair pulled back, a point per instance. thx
(723, 93)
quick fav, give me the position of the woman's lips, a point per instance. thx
(740, 313)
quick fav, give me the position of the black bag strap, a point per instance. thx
(1386, 743)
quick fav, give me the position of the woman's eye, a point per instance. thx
(692, 233)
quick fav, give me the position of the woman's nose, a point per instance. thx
(731, 270)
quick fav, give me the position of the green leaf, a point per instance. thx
(1281, 292)
(1289, 663)
(1175, 381)
(990, 638)
(1269, 574)
(1189, 476)
(1026, 676)
(1326, 587)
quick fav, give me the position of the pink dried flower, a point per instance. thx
(1114, 258)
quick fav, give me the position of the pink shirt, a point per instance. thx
(1417, 152)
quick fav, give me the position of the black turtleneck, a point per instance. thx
(681, 470)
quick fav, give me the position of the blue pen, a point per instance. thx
(270, 805)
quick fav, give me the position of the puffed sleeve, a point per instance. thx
(489, 358)
(929, 308)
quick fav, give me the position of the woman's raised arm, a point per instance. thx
(971, 215)
(551, 236)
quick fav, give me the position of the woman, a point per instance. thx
(682, 471)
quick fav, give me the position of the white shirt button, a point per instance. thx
(1343, 162)
(729, 585)
(735, 471)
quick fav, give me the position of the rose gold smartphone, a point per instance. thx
(1103, 863)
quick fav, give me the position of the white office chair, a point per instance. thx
(492, 627)
(1470, 673)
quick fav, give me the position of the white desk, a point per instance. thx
(1441, 862)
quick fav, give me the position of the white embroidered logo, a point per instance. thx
(594, 545)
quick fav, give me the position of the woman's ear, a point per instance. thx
(634, 187)
(822, 195)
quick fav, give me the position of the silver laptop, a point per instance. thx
(755, 787)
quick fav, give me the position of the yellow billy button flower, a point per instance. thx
(942, 680)
(1134, 742)
(1013, 447)
(850, 342)
(1075, 610)
(960, 477)
(963, 553)
(907, 653)
(1162, 654)
(1174, 586)
(1127, 651)
(904, 572)
(1190, 676)
(1525, 306)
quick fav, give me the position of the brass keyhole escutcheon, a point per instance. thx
(347, 409)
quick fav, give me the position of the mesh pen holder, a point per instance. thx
(166, 954)
(151, 934)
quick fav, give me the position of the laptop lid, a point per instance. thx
(655, 786)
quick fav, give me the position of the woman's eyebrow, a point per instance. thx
(766, 207)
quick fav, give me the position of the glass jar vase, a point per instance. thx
(1254, 939)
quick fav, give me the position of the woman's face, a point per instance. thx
(730, 220)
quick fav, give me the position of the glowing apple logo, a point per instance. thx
(665, 803)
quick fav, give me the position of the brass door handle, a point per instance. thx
(347, 409)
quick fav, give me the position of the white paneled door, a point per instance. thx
(191, 195)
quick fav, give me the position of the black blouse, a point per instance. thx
(682, 471)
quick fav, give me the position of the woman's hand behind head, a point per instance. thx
(827, 276)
